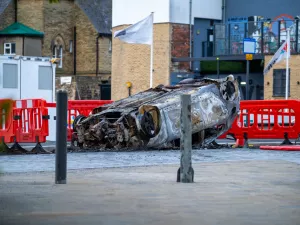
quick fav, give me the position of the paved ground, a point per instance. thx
(241, 192)
(50, 145)
(32, 163)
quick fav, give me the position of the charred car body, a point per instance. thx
(152, 118)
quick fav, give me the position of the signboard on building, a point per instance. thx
(249, 45)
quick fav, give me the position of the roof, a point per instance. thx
(99, 13)
(19, 29)
(3, 5)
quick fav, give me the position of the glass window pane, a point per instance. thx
(10, 75)
(13, 48)
(7, 51)
(45, 78)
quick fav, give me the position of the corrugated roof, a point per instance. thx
(3, 5)
(17, 29)
(99, 13)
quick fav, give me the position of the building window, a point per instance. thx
(10, 75)
(279, 82)
(9, 48)
(45, 79)
(58, 53)
(110, 46)
(54, 52)
(70, 46)
(60, 56)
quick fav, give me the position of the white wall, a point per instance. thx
(132, 11)
(208, 9)
(28, 74)
(165, 11)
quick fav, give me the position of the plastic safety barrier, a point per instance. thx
(28, 122)
(281, 148)
(6, 120)
(31, 120)
(266, 119)
(79, 107)
(31, 124)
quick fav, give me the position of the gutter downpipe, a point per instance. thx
(190, 21)
(16, 11)
(224, 11)
(74, 51)
(97, 54)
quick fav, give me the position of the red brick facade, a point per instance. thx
(180, 44)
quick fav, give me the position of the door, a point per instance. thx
(105, 91)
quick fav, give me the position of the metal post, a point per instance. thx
(229, 42)
(247, 80)
(287, 65)
(61, 137)
(262, 39)
(218, 67)
(185, 173)
(279, 24)
(297, 35)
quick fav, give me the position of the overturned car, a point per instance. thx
(151, 119)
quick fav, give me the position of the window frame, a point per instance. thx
(54, 53)
(110, 45)
(60, 56)
(10, 48)
(282, 80)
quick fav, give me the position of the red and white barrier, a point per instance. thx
(33, 120)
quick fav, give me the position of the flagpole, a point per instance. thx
(287, 65)
(151, 53)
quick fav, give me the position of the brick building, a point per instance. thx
(172, 38)
(200, 38)
(77, 31)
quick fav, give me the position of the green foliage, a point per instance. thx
(54, 1)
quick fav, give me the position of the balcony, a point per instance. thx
(269, 35)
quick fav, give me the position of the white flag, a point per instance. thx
(138, 33)
(282, 52)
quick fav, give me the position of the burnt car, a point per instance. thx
(151, 119)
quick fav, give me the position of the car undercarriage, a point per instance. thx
(151, 118)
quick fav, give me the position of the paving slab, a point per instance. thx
(242, 192)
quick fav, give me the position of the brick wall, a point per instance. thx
(131, 62)
(294, 78)
(181, 44)
(83, 87)
(104, 55)
(8, 16)
(86, 43)
(59, 23)
(30, 13)
(17, 40)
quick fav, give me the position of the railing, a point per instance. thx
(269, 35)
